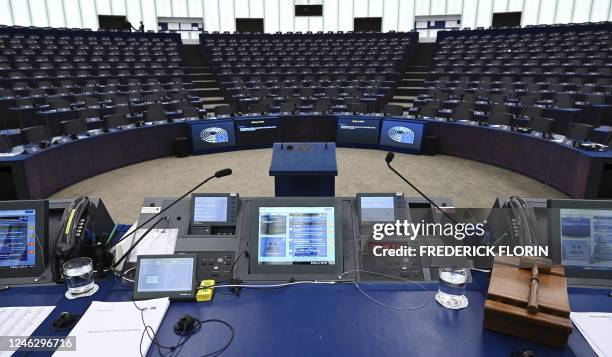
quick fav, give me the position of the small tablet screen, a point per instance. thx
(209, 209)
(377, 209)
(165, 274)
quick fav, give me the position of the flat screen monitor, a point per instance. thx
(297, 236)
(308, 128)
(212, 135)
(358, 132)
(402, 135)
(581, 239)
(165, 276)
(207, 209)
(23, 238)
(377, 209)
(257, 132)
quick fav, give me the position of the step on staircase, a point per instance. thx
(411, 83)
(204, 82)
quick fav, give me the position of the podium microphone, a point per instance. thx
(390, 156)
(218, 174)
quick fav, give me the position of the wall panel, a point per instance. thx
(21, 13)
(194, 8)
(530, 12)
(582, 11)
(600, 10)
(390, 15)
(56, 13)
(164, 8)
(546, 12)
(211, 15)
(72, 10)
(360, 8)
(564, 12)
(38, 10)
(118, 7)
(219, 15)
(256, 8)
(345, 22)
(271, 23)
(330, 15)
(134, 14)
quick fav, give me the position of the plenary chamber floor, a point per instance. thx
(468, 183)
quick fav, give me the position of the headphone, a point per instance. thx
(186, 325)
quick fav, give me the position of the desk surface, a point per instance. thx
(304, 159)
(328, 320)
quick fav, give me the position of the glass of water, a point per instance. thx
(451, 287)
(78, 273)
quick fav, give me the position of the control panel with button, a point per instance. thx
(215, 265)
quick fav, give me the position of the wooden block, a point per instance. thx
(506, 305)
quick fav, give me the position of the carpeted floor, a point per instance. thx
(468, 183)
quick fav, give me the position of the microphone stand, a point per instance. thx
(388, 159)
(218, 174)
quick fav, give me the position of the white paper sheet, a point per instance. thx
(596, 327)
(21, 321)
(158, 241)
(116, 328)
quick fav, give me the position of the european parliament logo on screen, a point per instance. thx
(211, 136)
(214, 135)
(401, 134)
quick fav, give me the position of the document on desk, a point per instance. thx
(157, 242)
(596, 327)
(21, 321)
(116, 328)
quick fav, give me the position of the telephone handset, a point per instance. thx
(76, 221)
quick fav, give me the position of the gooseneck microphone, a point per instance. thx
(390, 156)
(218, 174)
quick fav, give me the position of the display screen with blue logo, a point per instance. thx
(358, 131)
(586, 239)
(296, 235)
(212, 135)
(402, 135)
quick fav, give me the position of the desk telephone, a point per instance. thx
(74, 233)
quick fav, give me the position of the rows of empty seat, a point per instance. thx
(66, 73)
(522, 73)
(308, 72)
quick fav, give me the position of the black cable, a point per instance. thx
(127, 253)
(178, 347)
(244, 252)
(227, 344)
(388, 159)
(218, 174)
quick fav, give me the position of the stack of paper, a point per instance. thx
(596, 327)
(116, 328)
(21, 322)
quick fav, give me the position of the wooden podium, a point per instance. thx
(506, 305)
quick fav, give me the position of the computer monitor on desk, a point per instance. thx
(296, 236)
(581, 240)
(23, 241)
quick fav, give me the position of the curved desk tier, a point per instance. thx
(578, 173)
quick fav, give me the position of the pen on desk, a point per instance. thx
(4, 288)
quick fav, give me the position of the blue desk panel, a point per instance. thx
(328, 320)
(304, 169)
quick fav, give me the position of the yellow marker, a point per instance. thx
(205, 291)
(69, 221)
